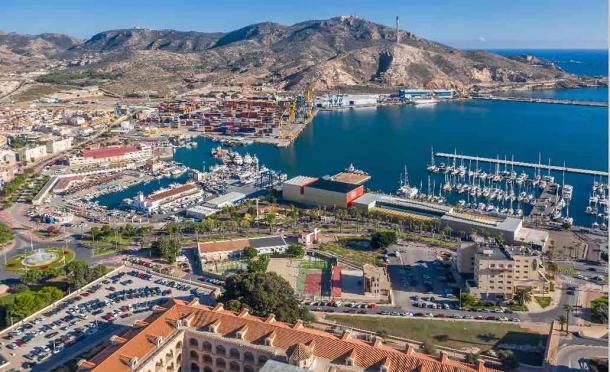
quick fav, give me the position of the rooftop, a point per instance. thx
(300, 180)
(239, 244)
(108, 152)
(335, 186)
(139, 342)
(350, 177)
(171, 192)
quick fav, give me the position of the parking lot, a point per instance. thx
(79, 322)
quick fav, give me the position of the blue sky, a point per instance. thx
(460, 23)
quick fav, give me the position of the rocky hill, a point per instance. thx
(341, 53)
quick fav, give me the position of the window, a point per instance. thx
(248, 369)
(193, 354)
(248, 357)
(234, 366)
(207, 359)
(220, 363)
(194, 367)
(207, 346)
(262, 359)
(179, 345)
(234, 353)
(208, 369)
(220, 350)
(193, 342)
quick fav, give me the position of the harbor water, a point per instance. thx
(382, 140)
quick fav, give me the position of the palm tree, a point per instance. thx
(562, 321)
(568, 309)
(523, 295)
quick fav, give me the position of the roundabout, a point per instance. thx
(41, 259)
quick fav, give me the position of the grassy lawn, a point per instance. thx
(454, 334)
(428, 240)
(351, 249)
(104, 251)
(64, 256)
(543, 301)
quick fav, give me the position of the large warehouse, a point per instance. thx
(322, 192)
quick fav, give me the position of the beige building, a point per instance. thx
(499, 271)
(33, 154)
(375, 281)
(181, 336)
(55, 147)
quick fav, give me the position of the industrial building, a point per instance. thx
(376, 201)
(227, 200)
(498, 271)
(410, 94)
(321, 192)
(346, 100)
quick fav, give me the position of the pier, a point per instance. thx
(523, 164)
(545, 100)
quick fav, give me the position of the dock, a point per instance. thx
(545, 100)
(523, 164)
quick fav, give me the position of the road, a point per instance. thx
(570, 358)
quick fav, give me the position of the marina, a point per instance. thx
(544, 100)
(522, 164)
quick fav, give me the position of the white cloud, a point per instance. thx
(482, 39)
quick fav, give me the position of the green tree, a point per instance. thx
(264, 293)
(467, 299)
(471, 358)
(428, 348)
(508, 359)
(295, 250)
(599, 310)
(50, 294)
(258, 264)
(568, 309)
(32, 277)
(166, 248)
(562, 321)
(6, 234)
(382, 239)
(250, 253)
(523, 295)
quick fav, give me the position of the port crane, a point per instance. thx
(301, 107)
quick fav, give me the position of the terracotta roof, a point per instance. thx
(107, 152)
(223, 245)
(285, 336)
(239, 244)
(171, 192)
(300, 352)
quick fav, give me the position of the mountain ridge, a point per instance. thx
(338, 53)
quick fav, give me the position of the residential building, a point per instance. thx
(188, 336)
(499, 271)
(55, 147)
(32, 154)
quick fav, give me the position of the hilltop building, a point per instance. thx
(188, 336)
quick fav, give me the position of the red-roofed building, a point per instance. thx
(114, 154)
(192, 337)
